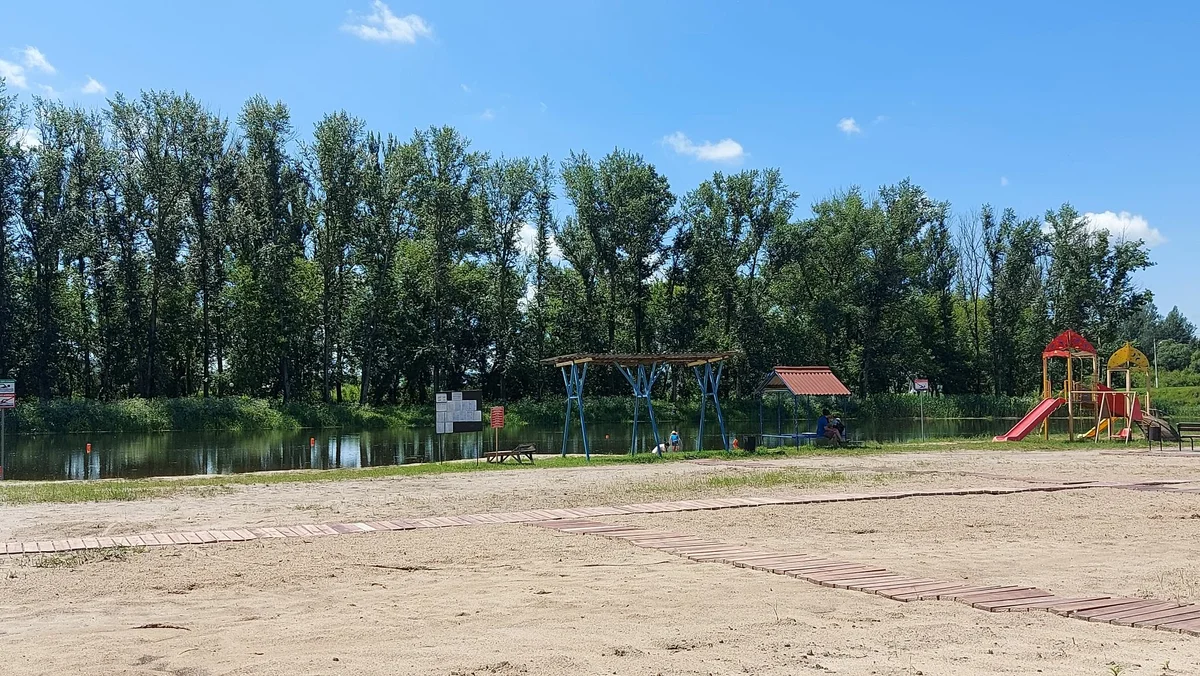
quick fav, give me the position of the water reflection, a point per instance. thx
(187, 453)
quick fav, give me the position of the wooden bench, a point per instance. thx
(516, 453)
(1189, 431)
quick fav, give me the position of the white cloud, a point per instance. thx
(35, 60)
(1126, 226)
(13, 74)
(725, 150)
(488, 115)
(383, 26)
(849, 126)
(542, 104)
(93, 87)
(527, 242)
(26, 138)
(880, 118)
(465, 88)
(1003, 181)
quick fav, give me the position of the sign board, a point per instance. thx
(497, 416)
(8, 394)
(458, 412)
(920, 385)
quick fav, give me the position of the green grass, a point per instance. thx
(84, 557)
(731, 481)
(792, 478)
(21, 493)
(1181, 403)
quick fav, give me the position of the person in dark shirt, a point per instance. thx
(826, 429)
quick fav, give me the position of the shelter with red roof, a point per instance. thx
(797, 381)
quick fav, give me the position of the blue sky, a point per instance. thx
(1015, 104)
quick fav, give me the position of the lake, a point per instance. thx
(41, 457)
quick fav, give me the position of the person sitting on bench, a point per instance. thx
(825, 429)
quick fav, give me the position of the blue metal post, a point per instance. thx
(710, 382)
(637, 401)
(573, 377)
(642, 383)
(567, 418)
(648, 381)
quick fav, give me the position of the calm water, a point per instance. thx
(185, 453)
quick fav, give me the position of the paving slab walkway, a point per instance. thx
(398, 524)
(841, 574)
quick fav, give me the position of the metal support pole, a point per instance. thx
(760, 414)
(796, 419)
(648, 380)
(710, 383)
(573, 378)
(2, 426)
(637, 401)
(642, 381)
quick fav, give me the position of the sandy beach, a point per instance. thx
(517, 599)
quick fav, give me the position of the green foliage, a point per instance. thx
(156, 249)
(1173, 356)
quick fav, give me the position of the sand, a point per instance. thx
(524, 600)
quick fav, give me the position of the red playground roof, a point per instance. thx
(1069, 344)
(816, 381)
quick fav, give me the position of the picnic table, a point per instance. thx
(516, 453)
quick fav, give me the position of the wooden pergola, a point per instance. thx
(641, 370)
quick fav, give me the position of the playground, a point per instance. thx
(524, 599)
(1114, 414)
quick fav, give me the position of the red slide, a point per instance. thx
(1032, 420)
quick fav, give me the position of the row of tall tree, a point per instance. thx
(154, 248)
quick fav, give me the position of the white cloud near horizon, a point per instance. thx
(381, 25)
(93, 87)
(1003, 181)
(13, 74)
(1126, 226)
(527, 243)
(848, 126)
(26, 138)
(35, 60)
(487, 115)
(725, 150)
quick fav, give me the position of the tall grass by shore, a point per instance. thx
(198, 413)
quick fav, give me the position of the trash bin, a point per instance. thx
(750, 443)
(1154, 433)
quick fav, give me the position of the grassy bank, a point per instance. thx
(18, 493)
(1181, 403)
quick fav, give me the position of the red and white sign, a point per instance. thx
(920, 385)
(8, 400)
(497, 417)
